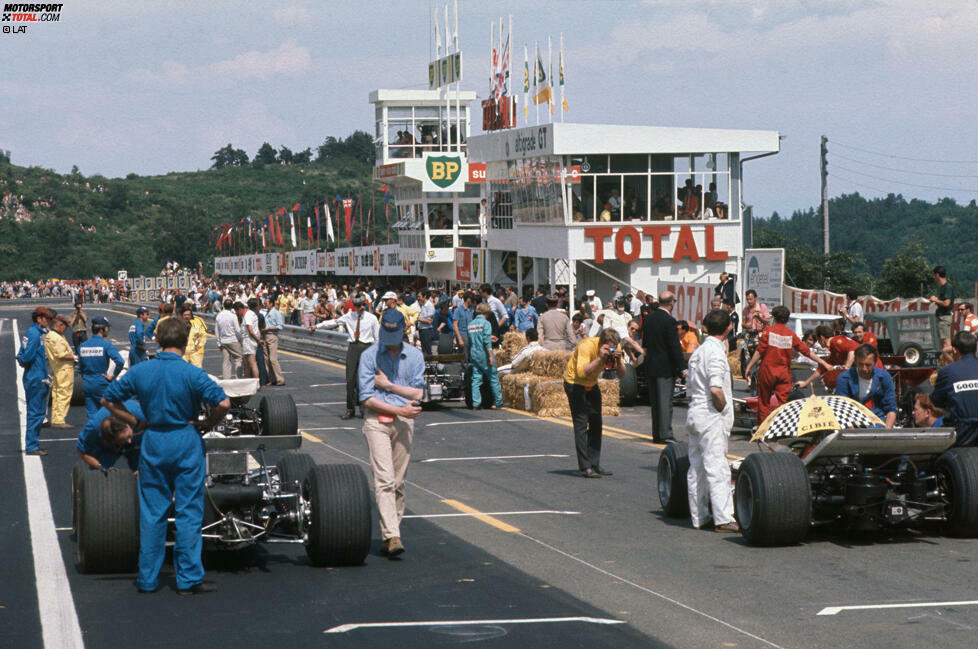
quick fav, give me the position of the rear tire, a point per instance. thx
(77, 472)
(913, 355)
(671, 479)
(467, 386)
(279, 415)
(773, 499)
(339, 522)
(78, 392)
(293, 468)
(628, 387)
(108, 522)
(957, 471)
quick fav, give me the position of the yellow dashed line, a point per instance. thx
(310, 437)
(485, 518)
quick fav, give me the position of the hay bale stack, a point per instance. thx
(512, 387)
(550, 362)
(733, 360)
(512, 343)
(548, 399)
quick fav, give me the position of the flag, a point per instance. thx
(292, 228)
(348, 215)
(329, 224)
(316, 208)
(526, 85)
(541, 84)
(500, 73)
(560, 67)
(309, 228)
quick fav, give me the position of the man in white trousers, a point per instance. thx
(709, 421)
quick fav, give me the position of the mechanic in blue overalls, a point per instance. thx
(137, 336)
(37, 384)
(93, 362)
(956, 389)
(105, 439)
(172, 461)
(482, 358)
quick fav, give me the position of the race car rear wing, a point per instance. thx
(883, 441)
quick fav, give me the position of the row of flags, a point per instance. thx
(283, 228)
(538, 84)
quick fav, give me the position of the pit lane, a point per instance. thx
(564, 549)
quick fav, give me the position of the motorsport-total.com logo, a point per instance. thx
(28, 13)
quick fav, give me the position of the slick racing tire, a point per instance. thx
(78, 392)
(279, 415)
(671, 479)
(957, 477)
(293, 468)
(628, 387)
(773, 499)
(108, 522)
(77, 472)
(339, 519)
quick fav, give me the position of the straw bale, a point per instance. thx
(548, 399)
(513, 342)
(512, 387)
(733, 359)
(502, 357)
(550, 362)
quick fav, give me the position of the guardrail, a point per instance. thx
(322, 343)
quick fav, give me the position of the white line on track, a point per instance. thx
(323, 403)
(56, 607)
(478, 421)
(326, 385)
(343, 628)
(333, 428)
(833, 610)
(60, 439)
(538, 511)
(486, 457)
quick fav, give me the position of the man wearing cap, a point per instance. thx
(33, 359)
(391, 380)
(137, 337)
(94, 356)
(61, 360)
(362, 328)
(593, 300)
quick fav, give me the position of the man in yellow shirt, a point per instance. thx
(61, 360)
(286, 305)
(197, 337)
(591, 357)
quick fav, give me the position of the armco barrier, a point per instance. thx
(323, 343)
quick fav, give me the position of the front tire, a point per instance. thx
(628, 387)
(671, 479)
(339, 520)
(279, 415)
(773, 499)
(108, 522)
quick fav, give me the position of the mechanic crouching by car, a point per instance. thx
(391, 380)
(869, 385)
(956, 389)
(172, 462)
(105, 439)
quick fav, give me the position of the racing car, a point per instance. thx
(324, 507)
(857, 480)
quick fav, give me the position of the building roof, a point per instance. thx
(592, 139)
(419, 96)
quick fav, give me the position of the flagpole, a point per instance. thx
(536, 80)
(563, 101)
(526, 87)
(458, 89)
(550, 71)
(512, 95)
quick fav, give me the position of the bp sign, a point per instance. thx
(445, 173)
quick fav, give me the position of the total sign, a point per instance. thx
(656, 242)
(444, 172)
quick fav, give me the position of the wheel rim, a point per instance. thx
(664, 480)
(912, 355)
(744, 500)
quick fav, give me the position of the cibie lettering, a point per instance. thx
(965, 386)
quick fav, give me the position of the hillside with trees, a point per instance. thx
(884, 246)
(70, 225)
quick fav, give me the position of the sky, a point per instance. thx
(117, 87)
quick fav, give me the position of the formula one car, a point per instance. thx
(448, 376)
(858, 480)
(325, 507)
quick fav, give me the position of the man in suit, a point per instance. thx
(663, 363)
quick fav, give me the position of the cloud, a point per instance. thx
(289, 59)
(296, 15)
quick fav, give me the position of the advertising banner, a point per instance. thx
(692, 301)
(764, 272)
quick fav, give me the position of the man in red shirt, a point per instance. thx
(775, 348)
(865, 337)
(842, 352)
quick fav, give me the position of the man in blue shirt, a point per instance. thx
(391, 380)
(462, 318)
(33, 359)
(956, 389)
(525, 316)
(93, 361)
(105, 439)
(869, 385)
(137, 336)
(172, 464)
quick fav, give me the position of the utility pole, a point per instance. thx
(823, 168)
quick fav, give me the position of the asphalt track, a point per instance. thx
(506, 547)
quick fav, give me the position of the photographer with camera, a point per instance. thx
(79, 326)
(591, 357)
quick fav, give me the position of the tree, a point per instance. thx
(302, 157)
(902, 276)
(266, 154)
(285, 155)
(228, 156)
